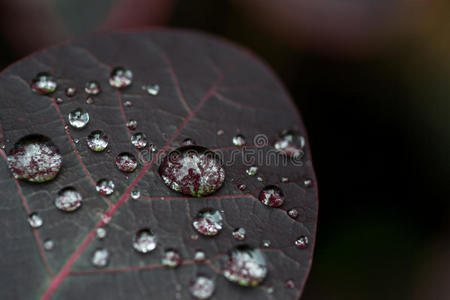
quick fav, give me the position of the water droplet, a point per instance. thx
(260, 179)
(105, 187)
(120, 77)
(188, 142)
(171, 258)
(271, 196)
(284, 179)
(49, 244)
(132, 124)
(135, 194)
(208, 222)
(245, 266)
(290, 284)
(126, 162)
(151, 89)
(199, 256)
(202, 287)
(89, 100)
(239, 140)
(78, 118)
(68, 199)
(270, 290)
(139, 140)
(100, 258)
(242, 187)
(301, 242)
(106, 218)
(144, 241)
(152, 148)
(59, 100)
(291, 144)
(43, 84)
(97, 141)
(293, 213)
(252, 171)
(128, 103)
(266, 243)
(35, 220)
(35, 158)
(308, 182)
(220, 132)
(76, 141)
(101, 233)
(92, 88)
(192, 170)
(239, 234)
(194, 236)
(70, 91)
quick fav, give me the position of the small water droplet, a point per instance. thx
(101, 233)
(301, 242)
(192, 170)
(308, 182)
(171, 258)
(120, 77)
(291, 144)
(59, 100)
(106, 218)
(92, 88)
(132, 124)
(208, 222)
(76, 141)
(144, 241)
(271, 196)
(239, 234)
(135, 194)
(188, 142)
(202, 287)
(251, 171)
(293, 213)
(128, 103)
(139, 140)
(89, 100)
(151, 89)
(35, 220)
(260, 179)
(199, 256)
(220, 132)
(239, 140)
(43, 84)
(78, 118)
(100, 258)
(105, 187)
(242, 187)
(270, 290)
(245, 266)
(49, 244)
(290, 284)
(266, 243)
(97, 141)
(284, 179)
(152, 148)
(194, 237)
(35, 158)
(126, 162)
(70, 91)
(68, 199)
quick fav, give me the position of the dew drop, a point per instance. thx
(266, 243)
(120, 77)
(101, 233)
(220, 132)
(290, 284)
(239, 234)
(128, 103)
(291, 144)
(152, 148)
(92, 88)
(251, 171)
(308, 182)
(78, 118)
(135, 194)
(59, 100)
(144, 241)
(260, 179)
(171, 258)
(202, 287)
(188, 142)
(239, 140)
(106, 218)
(43, 84)
(208, 222)
(192, 170)
(301, 242)
(126, 162)
(35, 220)
(271, 196)
(245, 266)
(132, 124)
(199, 256)
(89, 100)
(139, 140)
(68, 199)
(49, 244)
(70, 91)
(105, 187)
(97, 141)
(100, 258)
(242, 187)
(194, 236)
(152, 89)
(284, 179)
(293, 213)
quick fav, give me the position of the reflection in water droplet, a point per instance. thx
(293, 213)
(100, 258)
(132, 124)
(120, 77)
(59, 100)
(92, 88)
(239, 234)
(105, 187)
(291, 144)
(199, 256)
(152, 89)
(101, 233)
(192, 170)
(139, 140)
(208, 222)
(89, 100)
(202, 287)
(35, 220)
(308, 182)
(290, 284)
(239, 140)
(49, 244)
(70, 91)
(245, 266)
(251, 171)
(271, 196)
(43, 84)
(68, 199)
(135, 194)
(242, 187)
(97, 141)
(78, 118)
(126, 162)
(188, 142)
(266, 243)
(301, 242)
(171, 258)
(144, 241)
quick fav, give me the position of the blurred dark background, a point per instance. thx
(372, 81)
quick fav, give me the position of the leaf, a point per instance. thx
(206, 85)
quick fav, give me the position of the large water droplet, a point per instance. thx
(100, 258)
(202, 287)
(92, 88)
(35, 158)
(144, 241)
(301, 242)
(239, 140)
(78, 118)
(291, 144)
(70, 91)
(239, 234)
(120, 77)
(245, 266)
(43, 84)
(105, 187)
(35, 220)
(192, 170)
(272, 196)
(151, 89)
(126, 162)
(251, 171)
(97, 141)
(171, 258)
(68, 199)
(49, 244)
(139, 140)
(208, 222)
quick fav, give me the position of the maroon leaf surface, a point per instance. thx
(210, 91)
